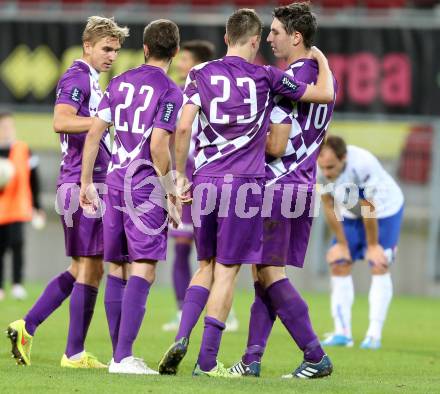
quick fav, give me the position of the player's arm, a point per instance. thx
(183, 135)
(332, 220)
(66, 120)
(340, 251)
(90, 151)
(277, 139)
(160, 150)
(375, 253)
(323, 92)
(289, 87)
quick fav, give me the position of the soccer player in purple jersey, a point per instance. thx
(290, 178)
(233, 120)
(78, 95)
(142, 104)
(191, 54)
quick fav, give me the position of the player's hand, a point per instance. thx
(376, 256)
(88, 198)
(317, 53)
(174, 208)
(338, 253)
(183, 187)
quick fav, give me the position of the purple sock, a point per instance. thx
(181, 272)
(294, 313)
(82, 305)
(260, 325)
(212, 335)
(195, 300)
(56, 291)
(114, 293)
(132, 314)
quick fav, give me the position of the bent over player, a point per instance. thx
(363, 206)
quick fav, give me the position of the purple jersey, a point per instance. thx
(79, 88)
(235, 99)
(309, 124)
(136, 102)
(189, 170)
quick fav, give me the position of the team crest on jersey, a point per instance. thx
(75, 94)
(287, 82)
(168, 111)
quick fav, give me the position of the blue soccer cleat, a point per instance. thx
(309, 370)
(338, 340)
(370, 343)
(242, 369)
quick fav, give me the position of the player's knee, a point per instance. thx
(379, 270)
(340, 269)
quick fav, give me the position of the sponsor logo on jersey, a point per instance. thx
(75, 94)
(287, 82)
(168, 111)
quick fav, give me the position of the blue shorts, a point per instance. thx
(389, 231)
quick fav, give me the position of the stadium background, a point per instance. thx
(383, 54)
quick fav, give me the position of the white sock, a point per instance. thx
(76, 356)
(381, 293)
(342, 296)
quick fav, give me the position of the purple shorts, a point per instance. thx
(82, 235)
(133, 232)
(231, 232)
(185, 228)
(287, 230)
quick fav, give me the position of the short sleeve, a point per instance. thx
(285, 85)
(367, 169)
(282, 111)
(191, 92)
(104, 111)
(73, 90)
(169, 106)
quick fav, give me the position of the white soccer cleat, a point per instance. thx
(131, 365)
(231, 323)
(173, 325)
(18, 292)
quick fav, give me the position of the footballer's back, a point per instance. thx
(235, 100)
(138, 101)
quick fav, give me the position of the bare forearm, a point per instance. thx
(69, 124)
(371, 230)
(90, 151)
(161, 160)
(325, 79)
(335, 224)
(183, 140)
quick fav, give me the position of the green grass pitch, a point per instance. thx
(409, 361)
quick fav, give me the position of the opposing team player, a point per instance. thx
(363, 206)
(142, 104)
(291, 178)
(78, 96)
(233, 98)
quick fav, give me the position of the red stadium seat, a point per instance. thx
(249, 3)
(162, 2)
(415, 159)
(205, 2)
(338, 3)
(384, 3)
